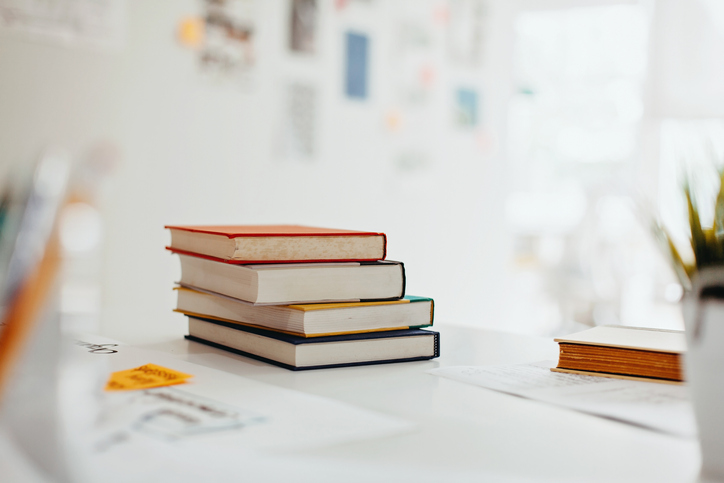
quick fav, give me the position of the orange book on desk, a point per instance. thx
(276, 243)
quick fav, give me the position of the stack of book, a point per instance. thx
(300, 297)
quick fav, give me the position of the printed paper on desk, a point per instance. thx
(662, 407)
(168, 414)
(283, 419)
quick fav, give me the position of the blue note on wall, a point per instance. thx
(466, 107)
(357, 65)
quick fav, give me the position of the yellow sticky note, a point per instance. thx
(191, 32)
(145, 377)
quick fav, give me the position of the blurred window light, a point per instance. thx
(573, 128)
(693, 150)
(673, 292)
(548, 213)
(579, 75)
(80, 227)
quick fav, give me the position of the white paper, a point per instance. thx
(298, 122)
(213, 408)
(95, 23)
(229, 48)
(661, 407)
(151, 461)
(254, 417)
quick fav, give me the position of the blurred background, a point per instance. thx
(512, 150)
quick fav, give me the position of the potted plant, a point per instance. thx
(703, 308)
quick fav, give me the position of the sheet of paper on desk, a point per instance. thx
(212, 409)
(662, 407)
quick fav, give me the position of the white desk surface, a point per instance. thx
(465, 430)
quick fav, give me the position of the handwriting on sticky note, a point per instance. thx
(145, 377)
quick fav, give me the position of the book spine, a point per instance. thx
(403, 285)
(308, 368)
(404, 279)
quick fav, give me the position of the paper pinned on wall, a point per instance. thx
(412, 161)
(661, 407)
(466, 31)
(394, 120)
(91, 23)
(227, 49)
(356, 65)
(298, 122)
(466, 107)
(303, 26)
(341, 5)
(413, 65)
(191, 32)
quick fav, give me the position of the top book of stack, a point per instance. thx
(245, 244)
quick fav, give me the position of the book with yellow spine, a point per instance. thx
(310, 320)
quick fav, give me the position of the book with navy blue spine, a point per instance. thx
(304, 353)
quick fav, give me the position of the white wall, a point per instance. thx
(195, 151)
(199, 151)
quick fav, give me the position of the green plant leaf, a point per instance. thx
(682, 271)
(698, 239)
(714, 251)
(719, 209)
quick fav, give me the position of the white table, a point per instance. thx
(467, 433)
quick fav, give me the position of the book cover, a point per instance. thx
(625, 337)
(260, 315)
(235, 231)
(276, 243)
(296, 283)
(178, 251)
(298, 341)
(308, 368)
(405, 300)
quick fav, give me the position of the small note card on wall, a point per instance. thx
(357, 68)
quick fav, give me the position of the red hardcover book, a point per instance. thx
(276, 243)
